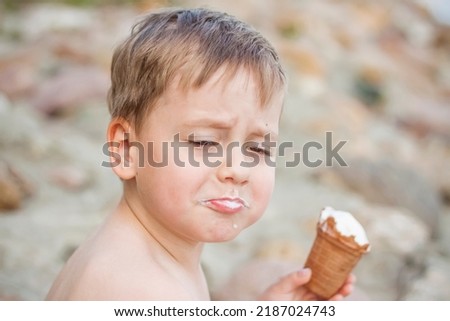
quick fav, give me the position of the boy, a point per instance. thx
(196, 97)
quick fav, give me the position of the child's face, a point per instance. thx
(204, 201)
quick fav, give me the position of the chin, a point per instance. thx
(222, 236)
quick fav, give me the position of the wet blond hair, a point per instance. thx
(191, 44)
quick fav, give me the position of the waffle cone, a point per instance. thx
(331, 260)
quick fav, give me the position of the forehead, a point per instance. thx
(224, 101)
(233, 82)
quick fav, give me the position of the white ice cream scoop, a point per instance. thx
(346, 224)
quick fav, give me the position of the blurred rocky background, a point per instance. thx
(376, 74)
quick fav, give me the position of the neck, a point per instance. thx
(165, 243)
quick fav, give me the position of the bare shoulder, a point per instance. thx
(124, 278)
(115, 268)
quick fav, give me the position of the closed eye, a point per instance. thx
(260, 150)
(203, 143)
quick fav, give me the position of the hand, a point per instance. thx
(291, 288)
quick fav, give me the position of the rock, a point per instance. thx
(281, 249)
(412, 269)
(70, 88)
(72, 49)
(303, 59)
(369, 86)
(372, 16)
(357, 295)
(419, 35)
(442, 39)
(290, 25)
(444, 240)
(399, 246)
(434, 284)
(45, 18)
(390, 183)
(14, 187)
(148, 5)
(6, 297)
(23, 130)
(398, 232)
(432, 160)
(5, 106)
(440, 10)
(377, 273)
(336, 113)
(10, 195)
(70, 177)
(16, 79)
(250, 279)
(426, 117)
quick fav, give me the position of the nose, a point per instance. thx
(232, 169)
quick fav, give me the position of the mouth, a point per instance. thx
(226, 205)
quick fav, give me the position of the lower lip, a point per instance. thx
(223, 207)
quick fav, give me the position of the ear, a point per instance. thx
(123, 158)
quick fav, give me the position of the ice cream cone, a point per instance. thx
(332, 258)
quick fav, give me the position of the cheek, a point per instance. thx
(262, 192)
(263, 184)
(170, 171)
(166, 192)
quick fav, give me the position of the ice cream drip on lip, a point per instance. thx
(232, 199)
(225, 205)
(346, 224)
(233, 203)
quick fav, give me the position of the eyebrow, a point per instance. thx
(220, 123)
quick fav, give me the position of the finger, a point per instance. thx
(346, 290)
(293, 280)
(337, 297)
(348, 286)
(351, 279)
(309, 296)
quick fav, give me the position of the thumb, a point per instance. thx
(293, 280)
